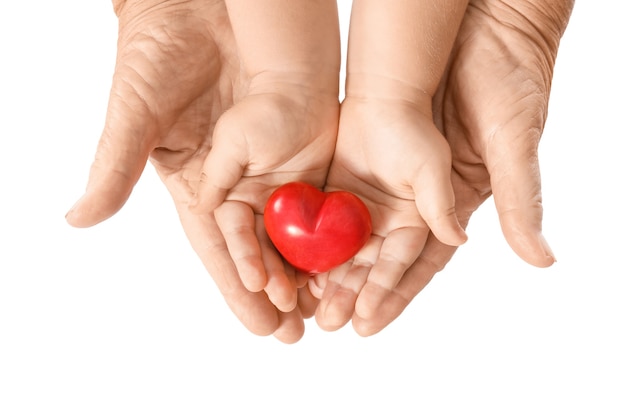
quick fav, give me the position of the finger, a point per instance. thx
(291, 328)
(236, 220)
(344, 284)
(301, 278)
(340, 298)
(307, 303)
(327, 319)
(255, 311)
(398, 252)
(317, 284)
(434, 197)
(120, 158)
(222, 168)
(516, 184)
(431, 260)
(281, 286)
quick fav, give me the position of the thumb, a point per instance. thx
(120, 158)
(222, 168)
(516, 186)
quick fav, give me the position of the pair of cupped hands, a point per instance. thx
(221, 142)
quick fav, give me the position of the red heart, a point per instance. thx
(313, 230)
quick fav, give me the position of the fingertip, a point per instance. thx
(336, 308)
(280, 287)
(282, 294)
(456, 237)
(93, 208)
(533, 249)
(221, 171)
(526, 239)
(301, 278)
(307, 302)
(206, 200)
(370, 300)
(254, 280)
(448, 230)
(365, 328)
(317, 284)
(550, 257)
(545, 256)
(333, 317)
(255, 312)
(291, 327)
(441, 217)
(461, 237)
(71, 217)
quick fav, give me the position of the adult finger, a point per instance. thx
(281, 285)
(343, 286)
(291, 327)
(399, 251)
(237, 223)
(254, 309)
(513, 165)
(432, 259)
(307, 302)
(121, 155)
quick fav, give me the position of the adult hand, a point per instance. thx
(177, 72)
(491, 106)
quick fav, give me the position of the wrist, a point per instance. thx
(369, 86)
(293, 83)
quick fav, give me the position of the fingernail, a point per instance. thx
(546, 248)
(317, 286)
(72, 209)
(464, 236)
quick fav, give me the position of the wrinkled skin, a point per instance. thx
(177, 81)
(491, 106)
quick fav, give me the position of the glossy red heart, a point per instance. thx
(314, 230)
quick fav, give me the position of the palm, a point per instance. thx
(374, 140)
(266, 140)
(180, 76)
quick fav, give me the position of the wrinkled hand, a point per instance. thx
(491, 106)
(177, 72)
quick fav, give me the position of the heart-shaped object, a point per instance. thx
(314, 230)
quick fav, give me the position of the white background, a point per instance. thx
(124, 312)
